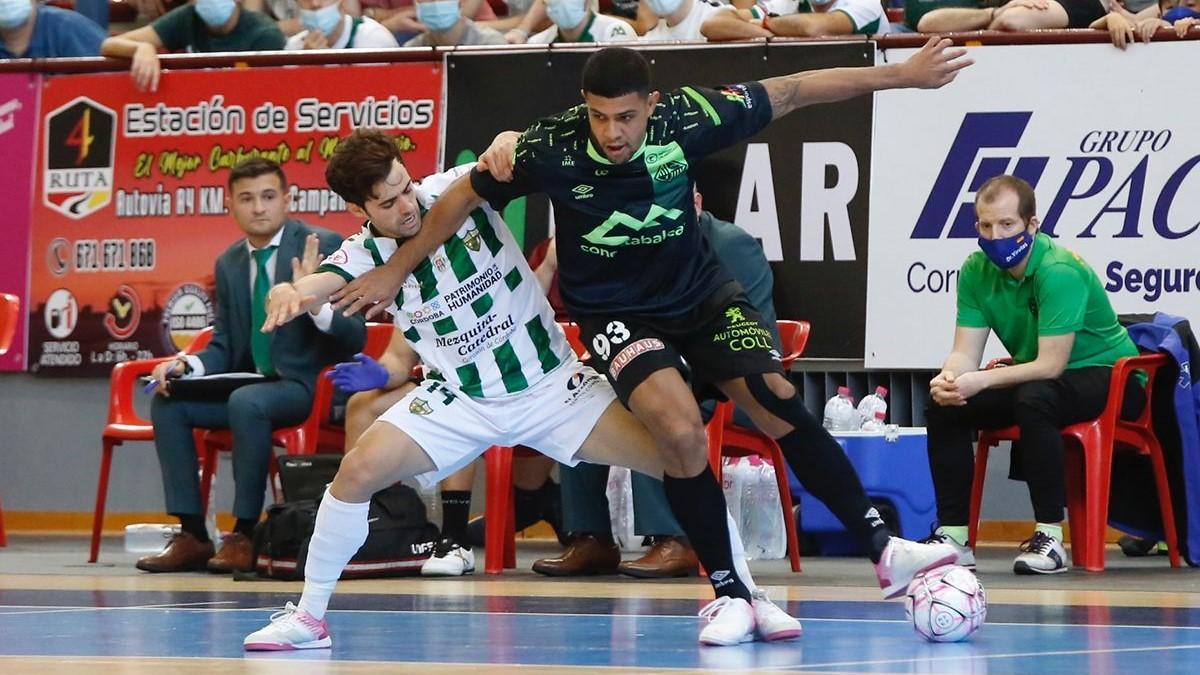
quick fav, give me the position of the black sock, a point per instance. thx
(456, 508)
(527, 506)
(194, 525)
(825, 471)
(245, 527)
(699, 505)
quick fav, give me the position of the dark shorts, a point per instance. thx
(724, 338)
(1081, 13)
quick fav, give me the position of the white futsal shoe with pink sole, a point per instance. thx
(903, 559)
(289, 629)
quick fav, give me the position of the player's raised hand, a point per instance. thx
(936, 65)
(306, 265)
(284, 303)
(498, 158)
(369, 293)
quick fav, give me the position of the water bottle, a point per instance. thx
(731, 486)
(840, 414)
(764, 534)
(620, 508)
(148, 537)
(210, 517)
(873, 407)
(877, 424)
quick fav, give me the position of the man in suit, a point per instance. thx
(275, 249)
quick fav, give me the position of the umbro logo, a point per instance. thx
(719, 575)
(583, 191)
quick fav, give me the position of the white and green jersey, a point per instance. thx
(473, 310)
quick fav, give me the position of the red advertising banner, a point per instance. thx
(129, 209)
(18, 131)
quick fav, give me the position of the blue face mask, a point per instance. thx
(215, 13)
(439, 14)
(14, 13)
(566, 14)
(1176, 13)
(1009, 252)
(325, 19)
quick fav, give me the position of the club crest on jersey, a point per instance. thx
(419, 406)
(440, 263)
(471, 239)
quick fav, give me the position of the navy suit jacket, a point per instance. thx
(298, 349)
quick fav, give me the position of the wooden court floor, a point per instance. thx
(59, 615)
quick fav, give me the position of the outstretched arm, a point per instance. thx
(934, 66)
(374, 289)
(290, 299)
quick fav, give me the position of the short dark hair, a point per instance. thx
(616, 71)
(361, 160)
(253, 167)
(995, 186)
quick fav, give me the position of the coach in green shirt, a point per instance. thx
(1048, 308)
(201, 26)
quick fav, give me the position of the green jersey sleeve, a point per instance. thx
(524, 182)
(357, 255)
(709, 120)
(970, 312)
(1062, 300)
(174, 28)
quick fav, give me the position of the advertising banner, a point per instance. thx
(130, 202)
(800, 185)
(18, 131)
(1114, 170)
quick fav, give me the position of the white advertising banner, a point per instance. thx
(1107, 138)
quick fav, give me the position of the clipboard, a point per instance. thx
(213, 387)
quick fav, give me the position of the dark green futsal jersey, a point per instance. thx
(627, 236)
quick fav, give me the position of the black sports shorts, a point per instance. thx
(723, 338)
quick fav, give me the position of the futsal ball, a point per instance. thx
(946, 604)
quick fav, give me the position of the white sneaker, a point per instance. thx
(966, 555)
(730, 622)
(289, 629)
(903, 559)
(773, 623)
(449, 559)
(1041, 554)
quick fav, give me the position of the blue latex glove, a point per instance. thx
(362, 374)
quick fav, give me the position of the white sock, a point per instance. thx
(340, 530)
(739, 554)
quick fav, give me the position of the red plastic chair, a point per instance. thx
(500, 510)
(726, 439)
(1090, 447)
(10, 307)
(124, 424)
(313, 434)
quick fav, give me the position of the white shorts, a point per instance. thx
(554, 417)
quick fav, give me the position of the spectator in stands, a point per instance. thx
(286, 13)
(1128, 24)
(204, 26)
(1016, 15)
(400, 16)
(915, 9)
(275, 249)
(326, 26)
(575, 21)
(449, 28)
(585, 507)
(802, 18)
(1051, 312)
(31, 30)
(152, 9)
(698, 20)
(820, 18)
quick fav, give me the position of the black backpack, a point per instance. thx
(399, 541)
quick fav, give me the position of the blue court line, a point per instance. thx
(845, 645)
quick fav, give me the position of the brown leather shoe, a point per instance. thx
(183, 553)
(669, 557)
(236, 554)
(584, 556)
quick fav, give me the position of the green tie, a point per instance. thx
(260, 342)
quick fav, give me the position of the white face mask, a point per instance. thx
(567, 14)
(14, 13)
(664, 7)
(215, 13)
